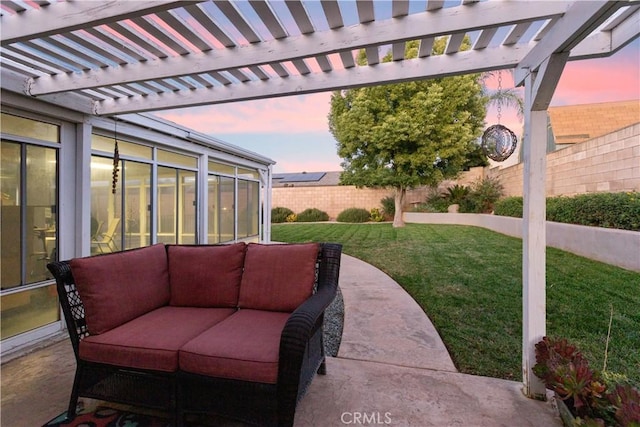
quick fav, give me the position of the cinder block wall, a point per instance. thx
(332, 200)
(610, 163)
(335, 199)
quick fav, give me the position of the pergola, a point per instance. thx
(115, 57)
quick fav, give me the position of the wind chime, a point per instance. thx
(498, 141)
(116, 160)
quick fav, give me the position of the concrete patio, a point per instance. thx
(392, 369)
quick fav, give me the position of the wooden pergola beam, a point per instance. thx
(69, 16)
(412, 27)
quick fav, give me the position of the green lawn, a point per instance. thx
(469, 282)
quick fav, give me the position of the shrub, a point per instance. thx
(353, 215)
(610, 210)
(456, 194)
(388, 206)
(312, 215)
(509, 206)
(469, 205)
(561, 209)
(291, 218)
(280, 214)
(483, 195)
(436, 202)
(376, 215)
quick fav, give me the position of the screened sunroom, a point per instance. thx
(67, 191)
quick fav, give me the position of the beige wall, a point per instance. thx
(466, 178)
(332, 200)
(335, 199)
(610, 163)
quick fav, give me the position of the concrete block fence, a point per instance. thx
(610, 163)
(334, 199)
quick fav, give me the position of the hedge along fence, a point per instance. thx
(312, 215)
(610, 210)
(354, 215)
(282, 214)
(611, 246)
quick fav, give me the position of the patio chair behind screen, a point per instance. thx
(107, 239)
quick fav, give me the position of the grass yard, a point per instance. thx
(469, 282)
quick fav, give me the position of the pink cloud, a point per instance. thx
(294, 114)
(508, 118)
(599, 80)
(306, 165)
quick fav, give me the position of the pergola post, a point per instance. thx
(534, 242)
(539, 88)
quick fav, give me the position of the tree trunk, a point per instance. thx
(399, 201)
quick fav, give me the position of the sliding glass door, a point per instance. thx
(28, 224)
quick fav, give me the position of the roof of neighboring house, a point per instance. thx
(577, 123)
(306, 179)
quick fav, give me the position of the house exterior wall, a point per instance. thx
(610, 163)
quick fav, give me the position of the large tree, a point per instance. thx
(405, 135)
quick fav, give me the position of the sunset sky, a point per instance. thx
(293, 131)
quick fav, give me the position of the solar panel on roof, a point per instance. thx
(299, 177)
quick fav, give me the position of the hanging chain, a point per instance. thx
(116, 160)
(499, 95)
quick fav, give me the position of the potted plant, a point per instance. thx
(582, 390)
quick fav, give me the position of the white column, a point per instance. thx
(534, 239)
(203, 199)
(266, 213)
(82, 166)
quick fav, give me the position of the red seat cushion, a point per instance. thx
(152, 340)
(244, 347)
(119, 287)
(278, 277)
(205, 275)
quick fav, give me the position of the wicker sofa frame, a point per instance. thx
(301, 356)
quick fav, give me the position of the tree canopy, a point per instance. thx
(407, 134)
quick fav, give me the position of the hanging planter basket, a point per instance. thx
(499, 142)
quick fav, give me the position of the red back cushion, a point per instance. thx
(207, 275)
(278, 277)
(119, 287)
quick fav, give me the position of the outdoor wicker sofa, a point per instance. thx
(233, 330)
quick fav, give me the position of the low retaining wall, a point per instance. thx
(617, 247)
